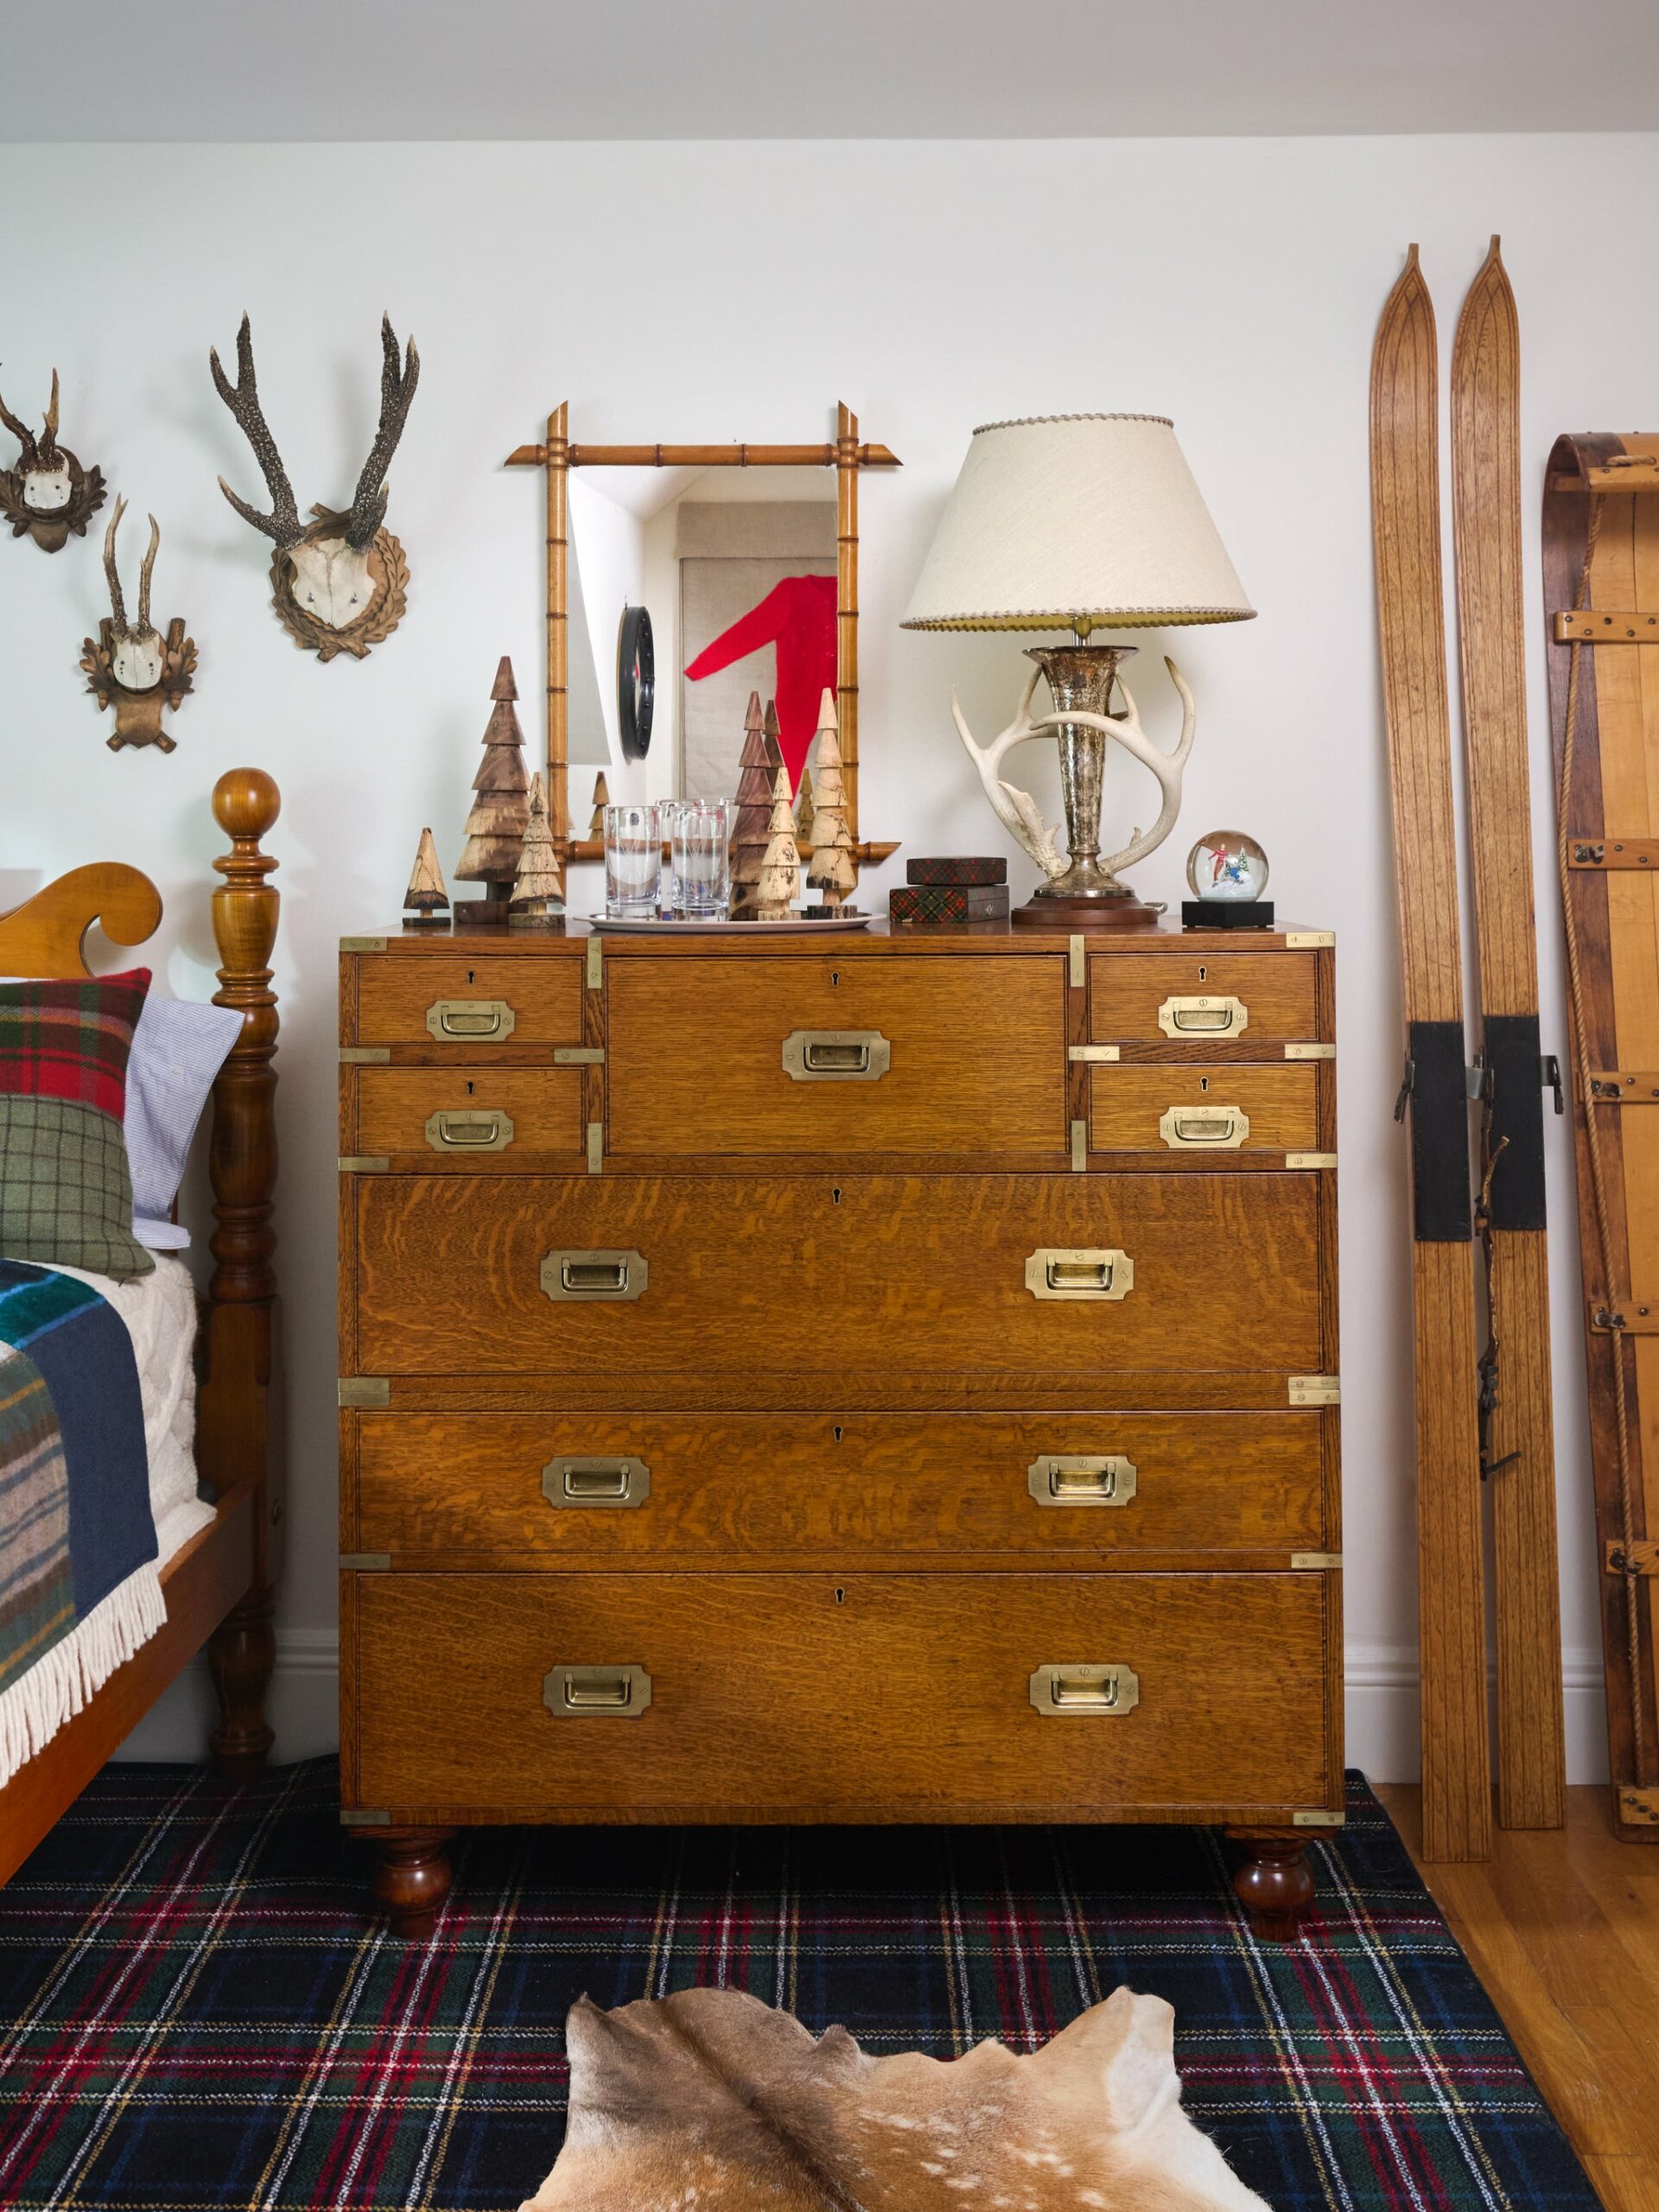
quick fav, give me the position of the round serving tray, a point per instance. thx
(797, 925)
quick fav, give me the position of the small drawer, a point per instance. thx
(1215, 1110)
(649, 1490)
(473, 1114)
(718, 1274)
(819, 1056)
(456, 1004)
(1187, 1001)
(827, 1697)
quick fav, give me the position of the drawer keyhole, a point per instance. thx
(841, 1597)
(1203, 1083)
(472, 975)
(835, 1196)
(834, 977)
(835, 1432)
(469, 1089)
(1203, 973)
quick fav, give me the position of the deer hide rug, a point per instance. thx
(710, 2102)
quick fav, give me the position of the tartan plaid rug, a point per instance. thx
(196, 2012)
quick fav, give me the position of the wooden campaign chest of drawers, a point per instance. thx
(843, 1379)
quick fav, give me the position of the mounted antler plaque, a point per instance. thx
(129, 665)
(48, 493)
(339, 583)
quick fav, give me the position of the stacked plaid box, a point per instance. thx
(200, 2013)
(968, 889)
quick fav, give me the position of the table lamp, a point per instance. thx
(1070, 521)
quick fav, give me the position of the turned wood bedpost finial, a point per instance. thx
(243, 1159)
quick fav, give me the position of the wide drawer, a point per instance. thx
(813, 1056)
(1191, 1000)
(468, 1112)
(648, 1489)
(459, 1002)
(1212, 1109)
(653, 1274)
(797, 1696)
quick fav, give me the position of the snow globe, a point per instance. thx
(1227, 872)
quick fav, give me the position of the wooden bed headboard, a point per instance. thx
(238, 1432)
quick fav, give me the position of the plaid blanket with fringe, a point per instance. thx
(79, 1590)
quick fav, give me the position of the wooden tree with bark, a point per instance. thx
(780, 871)
(752, 831)
(803, 804)
(834, 868)
(538, 888)
(495, 828)
(602, 800)
(427, 899)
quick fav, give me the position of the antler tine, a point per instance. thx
(282, 524)
(146, 572)
(21, 432)
(396, 389)
(118, 605)
(49, 443)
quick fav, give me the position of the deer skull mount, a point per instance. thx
(339, 583)
(129, 665)
(1020, 813)
(48, 493)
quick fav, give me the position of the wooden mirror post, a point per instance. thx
(558, 455)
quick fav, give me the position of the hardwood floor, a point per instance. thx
(1563, 1928)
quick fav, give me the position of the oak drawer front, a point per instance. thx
(1214, 1110)
(460, 1003)
(1187, 1001)
(783, 1693)
(891, 1055)
(469, 1113)
(711, 1274)
(649, 1489)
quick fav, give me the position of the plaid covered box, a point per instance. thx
(65, 1190)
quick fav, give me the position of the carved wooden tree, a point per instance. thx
(774, 749)
(495, 828)
(803, 803)
(538, 888)
(834, 868)
(780, 871)
(752, 831)
(427, 899)
(602, 800)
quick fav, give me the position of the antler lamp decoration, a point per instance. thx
(129, 665)
(339, 584)
(1068, 522)
(48, 493)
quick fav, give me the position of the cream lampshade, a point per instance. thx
(1070, 521)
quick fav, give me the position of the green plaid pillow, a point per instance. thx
(66, 1189)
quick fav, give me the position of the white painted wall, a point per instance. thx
(690, 292)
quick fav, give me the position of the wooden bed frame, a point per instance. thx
(219, 1585)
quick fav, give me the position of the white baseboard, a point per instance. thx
(1382, 1709)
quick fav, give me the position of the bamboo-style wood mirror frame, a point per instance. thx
(558, 455)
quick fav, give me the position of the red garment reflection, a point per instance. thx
(799, 617)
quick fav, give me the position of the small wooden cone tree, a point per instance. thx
(495, 828)
(774, 749)
(752, 829)
(803, 803)
(602, 800)
(538, 888)
(427, 899)
(780, 870)
(834, 868)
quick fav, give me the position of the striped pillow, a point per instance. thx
(65, 1190)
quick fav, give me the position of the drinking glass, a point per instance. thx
(633, 863)
(701, 829)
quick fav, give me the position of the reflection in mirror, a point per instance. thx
(737, 568)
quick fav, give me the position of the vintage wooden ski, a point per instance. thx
(1406, 526)
(1517, 1434)
(1601, 599)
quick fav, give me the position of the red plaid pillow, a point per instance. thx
(71, 1040)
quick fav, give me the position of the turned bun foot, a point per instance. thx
(1275, 1882)
(412, 1875)
(241, 1653)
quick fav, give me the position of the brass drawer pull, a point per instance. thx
(474, 1020)
(461, 1131)
(1073, 1478)
(596, 1692)
(594, 1275)
(837, 1055)
(1204, 1129)
(1052, 1273)
(596, 1481)
(1204, 1017)
(1062, 1692)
